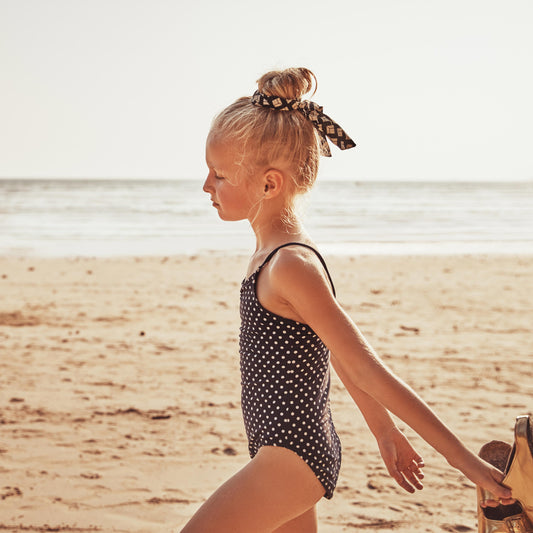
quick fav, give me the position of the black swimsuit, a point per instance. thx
(285, 384)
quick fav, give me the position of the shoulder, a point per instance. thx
(297, 268)
(300, 288)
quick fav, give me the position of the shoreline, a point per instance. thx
(377, 250)
(119, 403)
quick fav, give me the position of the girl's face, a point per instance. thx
(233, 192)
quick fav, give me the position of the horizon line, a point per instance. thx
(319, 179)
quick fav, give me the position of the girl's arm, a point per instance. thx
(301, 282)
(402, 461)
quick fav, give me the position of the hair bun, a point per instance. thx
(291, 83)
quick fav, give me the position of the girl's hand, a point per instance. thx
(402, 461)
(486, 476)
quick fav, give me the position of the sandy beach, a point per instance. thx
(119, 385)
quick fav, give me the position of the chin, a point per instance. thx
(229, 218)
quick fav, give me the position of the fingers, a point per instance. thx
(409, 476)
(502, 495)
(419, 462)
(403, 463)
(496, 503)
(414, 475)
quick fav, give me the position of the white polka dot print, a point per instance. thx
(285, 387)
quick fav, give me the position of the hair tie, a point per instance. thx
(324, 124)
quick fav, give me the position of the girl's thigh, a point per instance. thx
(305, 523)
(274, 488)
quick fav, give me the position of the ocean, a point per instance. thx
(99, 218)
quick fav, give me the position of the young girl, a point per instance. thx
(262, 152)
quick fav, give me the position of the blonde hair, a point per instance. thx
(268, 137)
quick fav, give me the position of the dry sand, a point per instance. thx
(119, 385)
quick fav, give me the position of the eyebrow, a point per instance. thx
(209, 164)
(217, 170)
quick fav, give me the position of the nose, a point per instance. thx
(209, 183)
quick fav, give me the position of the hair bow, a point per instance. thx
(326, 126)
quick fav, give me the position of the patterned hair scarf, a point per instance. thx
(324, 124)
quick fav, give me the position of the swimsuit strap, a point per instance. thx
(271, 254)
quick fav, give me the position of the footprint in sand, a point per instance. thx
(7, 492)
(90, 475)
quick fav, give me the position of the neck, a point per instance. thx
(272, 229)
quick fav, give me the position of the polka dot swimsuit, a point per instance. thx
(285, 385)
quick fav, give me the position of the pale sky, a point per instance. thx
(428, 89)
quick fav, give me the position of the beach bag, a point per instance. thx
(516, 462)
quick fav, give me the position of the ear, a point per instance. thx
(273, 182)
